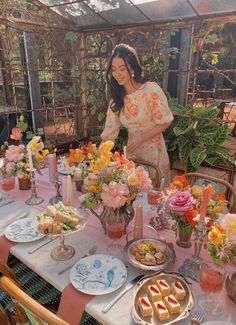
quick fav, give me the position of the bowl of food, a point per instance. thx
(60, 220)
(149, 254)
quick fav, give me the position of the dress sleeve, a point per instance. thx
(112, 126)
(160, 112)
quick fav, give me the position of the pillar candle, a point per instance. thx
(31, 166)
(125, 152)
(204, 204)
(52, 166)
(138, 222)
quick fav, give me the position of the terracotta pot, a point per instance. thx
(8, 182)
(184, 237)
(24, 183)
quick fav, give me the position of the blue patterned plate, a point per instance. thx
(98, 274)
(22, 231)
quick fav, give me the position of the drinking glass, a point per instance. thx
(211, 280)
(115, 231)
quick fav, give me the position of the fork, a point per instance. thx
(197, 316)
(90, 252)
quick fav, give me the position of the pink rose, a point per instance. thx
(180, 201)
(114, 195)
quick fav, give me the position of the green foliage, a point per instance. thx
(197, 136)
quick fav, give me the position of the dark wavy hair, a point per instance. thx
(115, 91)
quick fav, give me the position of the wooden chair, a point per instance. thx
(153, 170)
(26, 308)
(219, 181)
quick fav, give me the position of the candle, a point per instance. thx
(52, 166)
(204, 204)
(125, 152)
(69, 191)
(31, 166)
(138, 223)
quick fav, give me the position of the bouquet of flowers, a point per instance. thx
(13, 155)
(112, 181)
(221, 244)
(183, 203)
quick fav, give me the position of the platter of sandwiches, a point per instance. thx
(163, 298)
(61, 219)
(149, 254)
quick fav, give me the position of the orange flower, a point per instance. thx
(217, 235)
(219, 197)
(75, 155)
(190, 215)
(119, 157)
(179, 182)
(16, 134)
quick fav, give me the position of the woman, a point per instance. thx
(140, 106)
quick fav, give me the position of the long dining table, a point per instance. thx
(73, 302)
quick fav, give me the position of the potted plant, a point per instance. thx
(196, 136)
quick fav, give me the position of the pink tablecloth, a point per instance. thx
(73, 302)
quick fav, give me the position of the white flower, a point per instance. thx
(229, 224)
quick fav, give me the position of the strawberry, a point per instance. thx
(172, 300)
(143, 301)
(161, 306)
(178, 285)
(163, 284)
(154, 289)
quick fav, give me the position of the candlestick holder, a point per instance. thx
(58, 197)
(34, 199)
(191, 266)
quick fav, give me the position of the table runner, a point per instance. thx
(5, 245)
(72, 305)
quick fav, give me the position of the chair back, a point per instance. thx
(153, 170)
(219, 181)
(26, 308)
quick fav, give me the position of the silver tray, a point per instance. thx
(170, 255)
(141, 290)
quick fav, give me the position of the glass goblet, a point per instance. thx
(211, 280)
(115, 231)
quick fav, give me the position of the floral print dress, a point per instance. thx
(143, 110)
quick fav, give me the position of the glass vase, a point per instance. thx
(184, 236)
(109, 215)
(8, 182)
(24, 183)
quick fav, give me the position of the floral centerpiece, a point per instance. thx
(8, 167)
(113, 183)
(221, 244)
(183, 203)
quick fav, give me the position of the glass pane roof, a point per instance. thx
(94, 15)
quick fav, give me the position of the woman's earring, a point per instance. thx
(132, 74)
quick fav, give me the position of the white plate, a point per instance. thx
(22, 231)
(98, 274)
(216, 322)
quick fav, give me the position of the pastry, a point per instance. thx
(154, 293)
(172, 304)
(164, 287)
(161, 310)
(178, 290)
(50, 211)
(145, 307)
